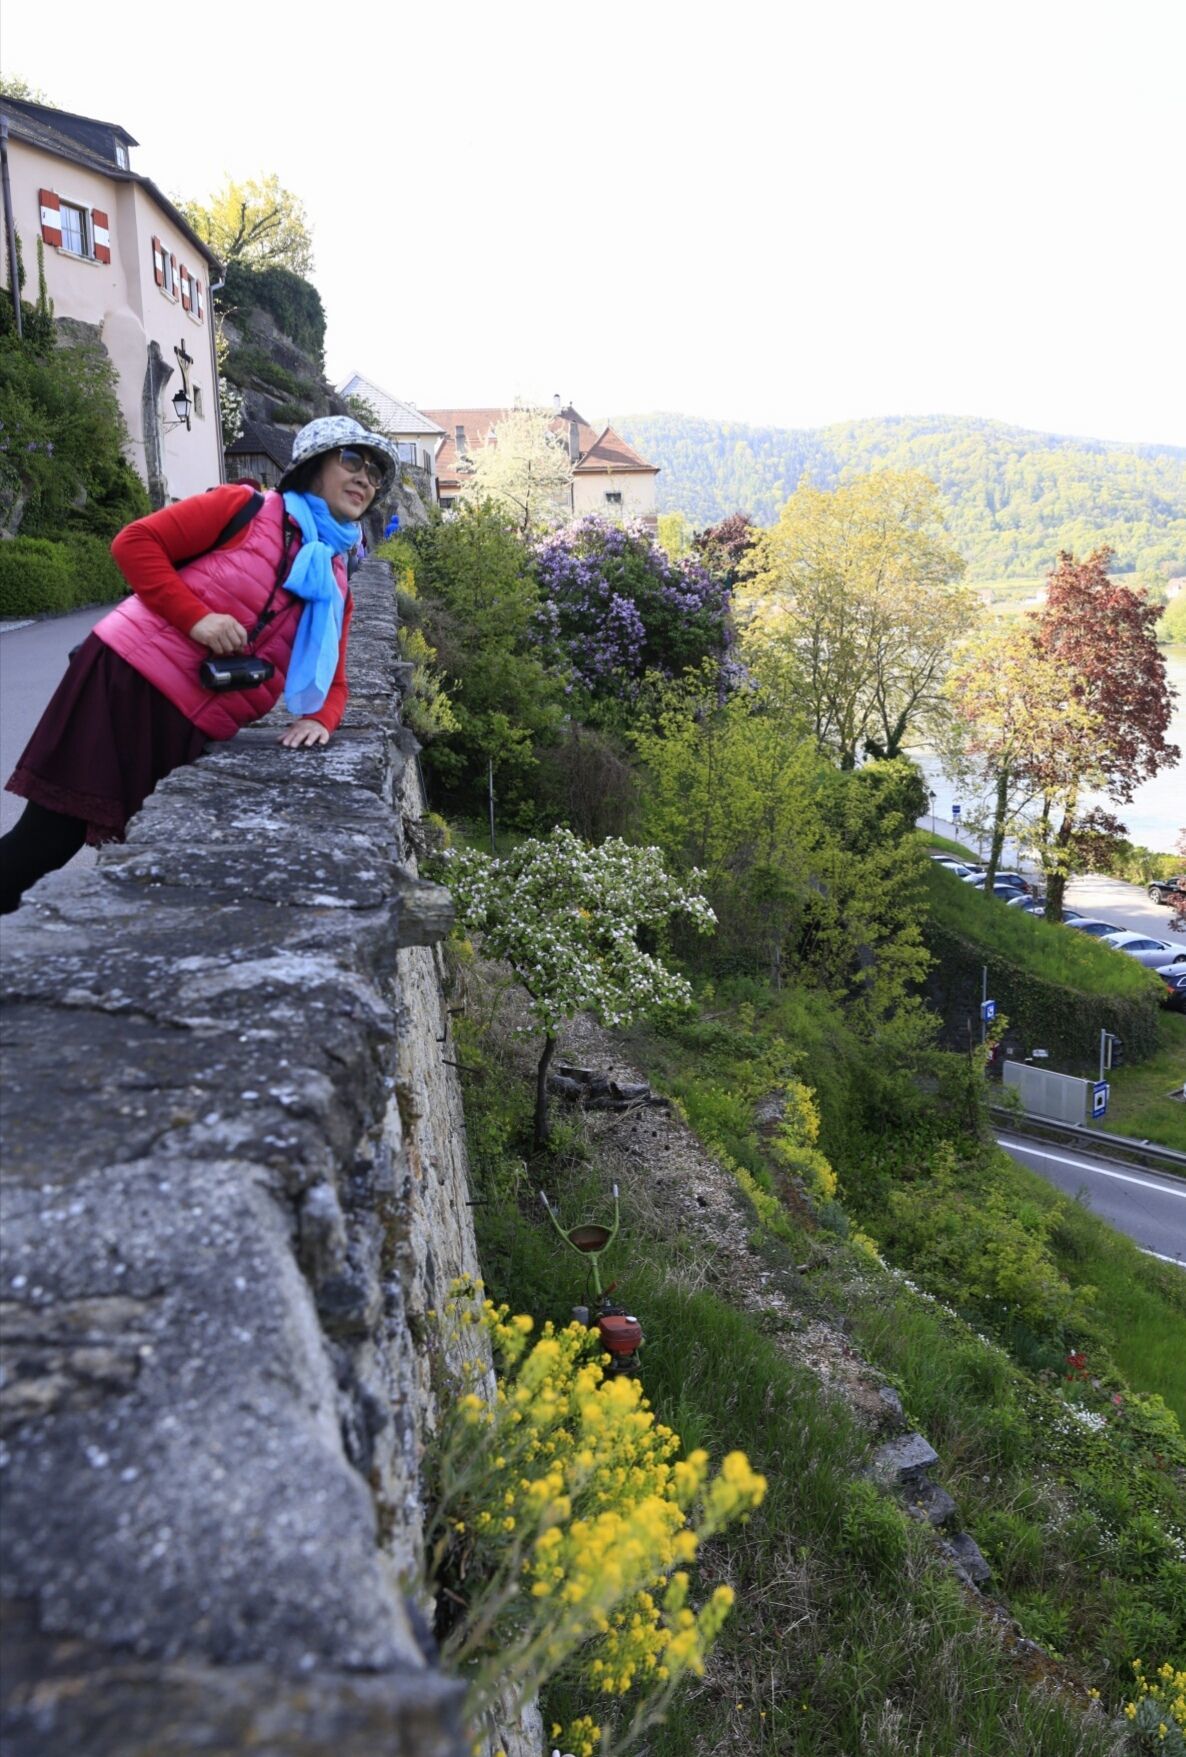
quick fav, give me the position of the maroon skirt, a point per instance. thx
(104, 741)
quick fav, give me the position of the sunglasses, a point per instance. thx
(353, 461)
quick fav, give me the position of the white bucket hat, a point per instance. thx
(331, 431)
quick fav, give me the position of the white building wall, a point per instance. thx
(637, 491)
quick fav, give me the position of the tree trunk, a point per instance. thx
(998, 830)
(1056, 877)
(541, 1093)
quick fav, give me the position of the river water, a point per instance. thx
(1157, 813)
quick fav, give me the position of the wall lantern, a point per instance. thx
(183, 402)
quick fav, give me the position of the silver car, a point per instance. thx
(1146, 950)
(1097, 929)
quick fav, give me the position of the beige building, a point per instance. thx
(609, 477)
(119, 257)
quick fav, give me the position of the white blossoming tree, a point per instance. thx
(524, 466)
(565, 915)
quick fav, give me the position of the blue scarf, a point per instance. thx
(319, 632)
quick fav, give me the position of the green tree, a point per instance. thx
(1172, 627)
(523, 468)
(256, 222)
(566, 917)
(1012, 712)
(62, 465)
(802, 862)
(478, 603)
(728, 789)
(675, 536)
(12, 85)
(856, 593)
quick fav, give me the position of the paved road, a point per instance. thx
(1148, 1207)
(32, 660)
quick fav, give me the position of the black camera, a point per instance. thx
(239, 671)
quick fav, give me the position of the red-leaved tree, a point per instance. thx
(1100, 635)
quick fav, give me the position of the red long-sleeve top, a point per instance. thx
(148, 552)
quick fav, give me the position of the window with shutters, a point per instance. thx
(75, 232)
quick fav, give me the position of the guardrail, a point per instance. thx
(1151, 1153)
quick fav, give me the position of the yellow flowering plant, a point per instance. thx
(564, 1524)
(1156, 1717)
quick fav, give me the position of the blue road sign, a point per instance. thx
(955, 814)
(1099, 1098)
(988, 1011)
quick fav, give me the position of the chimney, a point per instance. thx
(574, 440)
(557, 405)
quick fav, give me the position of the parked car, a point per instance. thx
(1150, 952)
(1037, 906)
(1012, 880)
(1174, 977)
(957, 867)
(1167, 890)
(1096, 928)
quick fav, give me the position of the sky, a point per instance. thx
(779, 214)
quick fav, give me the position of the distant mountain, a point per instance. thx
(1015, 498)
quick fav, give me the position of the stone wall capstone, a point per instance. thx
(234, 1178)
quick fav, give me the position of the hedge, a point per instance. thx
(1050, 1015)
(39, 577)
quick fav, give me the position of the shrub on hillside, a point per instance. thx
(616, 607)
(62, 439)
(467, 583)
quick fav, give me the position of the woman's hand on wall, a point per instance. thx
(304, 732)
(221, 634)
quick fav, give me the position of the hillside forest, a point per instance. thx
(1014, 498)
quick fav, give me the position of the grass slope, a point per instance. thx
(847, 1635)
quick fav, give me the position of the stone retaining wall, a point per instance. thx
(233, 1178)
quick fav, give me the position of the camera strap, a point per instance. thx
(267, 614)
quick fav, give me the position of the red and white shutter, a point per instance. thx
(186, 301)
(158, 262)
(51, 217)
(102, 235)
(199, 301)
(173, 274)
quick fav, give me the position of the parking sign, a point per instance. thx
(955, 814)
(988, 1011)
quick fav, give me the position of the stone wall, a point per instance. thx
(233, 1179)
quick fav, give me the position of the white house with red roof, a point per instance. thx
(608, 476)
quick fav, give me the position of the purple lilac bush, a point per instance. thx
(616, 606)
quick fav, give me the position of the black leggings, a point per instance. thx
(41, 841)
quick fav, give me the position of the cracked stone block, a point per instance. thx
(893, 1403)
(969, 1563)
(903, 1460)
(930, 1502)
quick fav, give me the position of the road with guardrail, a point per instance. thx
(1148, 1205)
